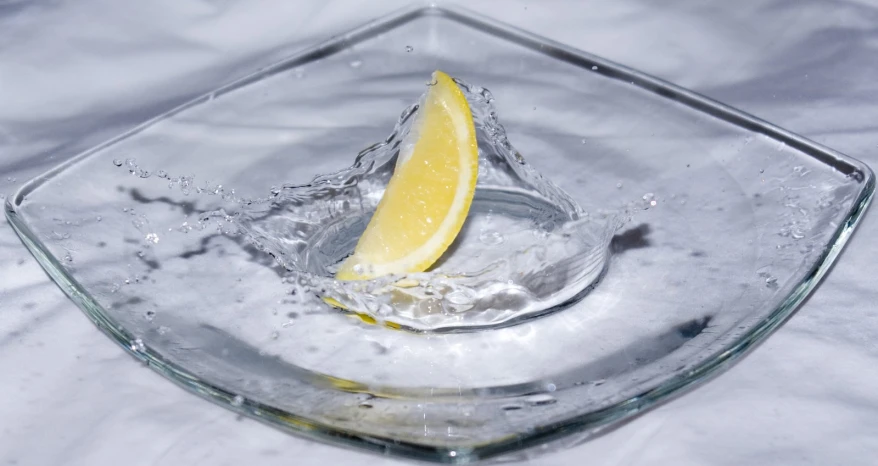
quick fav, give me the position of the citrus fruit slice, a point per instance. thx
(428, 196)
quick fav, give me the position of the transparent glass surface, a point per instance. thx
(744, 219)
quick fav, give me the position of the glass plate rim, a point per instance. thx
(589, 422)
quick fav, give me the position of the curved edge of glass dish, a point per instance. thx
(586, 425)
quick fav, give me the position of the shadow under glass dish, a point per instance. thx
(747, 219)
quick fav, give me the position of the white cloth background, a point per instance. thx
(75, 72)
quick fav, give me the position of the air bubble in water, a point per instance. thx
(117, 162)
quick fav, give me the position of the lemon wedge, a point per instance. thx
(430, 193)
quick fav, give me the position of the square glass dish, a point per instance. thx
(742, 219)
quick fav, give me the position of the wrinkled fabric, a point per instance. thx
(75, 73)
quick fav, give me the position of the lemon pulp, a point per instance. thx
(430, 193)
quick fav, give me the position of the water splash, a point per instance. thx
(527, 246)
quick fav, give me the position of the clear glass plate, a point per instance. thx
(746, 220)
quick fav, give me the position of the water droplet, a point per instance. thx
(152, 238)
(491, 237)
(117, 162)
(356, 64)
(409, 48)
(540, 399)
(582, 141)
(99, 218)
(149, 316)
(10, 179)
(274, 335)
(68, 257)
(512, 407)
(649, 201)
(594, 68)
(237, 401)
(619, 185)
(771, 282)
(137, 345)
(550, 387)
